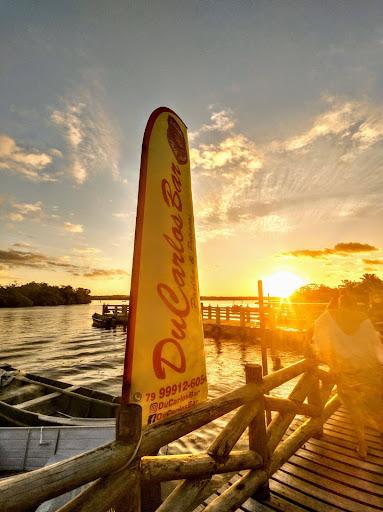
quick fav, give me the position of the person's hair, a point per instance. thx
(347, 301)
(333, 304)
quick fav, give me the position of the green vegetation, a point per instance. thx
(366, 290)
(41, 294)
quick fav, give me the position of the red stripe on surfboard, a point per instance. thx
(129, 351)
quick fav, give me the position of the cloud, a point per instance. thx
(334, 122)
(15, 258)
(373, 262)
(355, 126)
(273, 224)
(15, 217)
(28, 208)
(332, 166)
(235, 150)
(121, 215)
(319, 253)
(29, 163)
(95, 273)
(86, 251)
(224, 170)
(354, 247)
(220, 122)
(22, 211)
(12, 258)
(342, 248)
(22, 245)
(73, 228)
(369, 133)
(18, 211)
(92, 141)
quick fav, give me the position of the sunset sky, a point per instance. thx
(284, 105)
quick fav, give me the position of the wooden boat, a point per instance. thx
(32, 400)
(28, 448)
(106, 322)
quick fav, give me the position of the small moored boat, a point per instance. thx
(32, 400)
(107, 322)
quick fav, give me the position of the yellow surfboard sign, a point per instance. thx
(165, 367)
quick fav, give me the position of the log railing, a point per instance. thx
(120, 471)
(238, 314)
(115, 309)
(276, 313)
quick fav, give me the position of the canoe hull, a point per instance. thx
(33, 400)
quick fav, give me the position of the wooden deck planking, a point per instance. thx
(339, 476)
(325, 475)
(347, 467)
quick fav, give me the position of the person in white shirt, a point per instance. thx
(345, 339)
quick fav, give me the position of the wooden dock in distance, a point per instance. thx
(235, 322)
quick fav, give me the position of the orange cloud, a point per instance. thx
(373, 262)
(340, 248)
(310, 253)
(354, 247)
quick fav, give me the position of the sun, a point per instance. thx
(282, 284)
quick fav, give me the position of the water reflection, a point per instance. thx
(60, 342)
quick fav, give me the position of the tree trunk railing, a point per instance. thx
(118, 472)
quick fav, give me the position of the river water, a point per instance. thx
(60, 342)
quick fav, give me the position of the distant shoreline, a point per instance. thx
(203, 297)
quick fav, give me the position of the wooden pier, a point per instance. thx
(277, 322)
(276, 313)
(303, 459)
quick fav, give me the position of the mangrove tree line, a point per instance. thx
(41, 294)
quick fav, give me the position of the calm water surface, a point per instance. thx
(60, 342)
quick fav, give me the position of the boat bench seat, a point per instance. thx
(21, 393)
(35, 402)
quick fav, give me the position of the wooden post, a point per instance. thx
(217, 315)
(104, 309)
(247, 314)
(128, 426)
(125, 310)
(262, 328)
(209, 312)
(257, 427)
(241, 317)
(150, 495)
(227, 313)
(314, 398)
(128, 429)
(277, 365)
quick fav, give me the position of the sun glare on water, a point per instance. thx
(282, 284)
